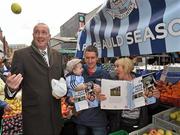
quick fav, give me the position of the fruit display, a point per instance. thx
(12, 125)
(169, 119)
(158, 131)
(15, 105)
(2, 85)
(153, 129)
(175, 116)
(169, 93)
(12, 119)
(66, 110)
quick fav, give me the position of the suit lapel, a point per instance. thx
(50, 55)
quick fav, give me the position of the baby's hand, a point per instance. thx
(71, 99)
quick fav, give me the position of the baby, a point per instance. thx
(74, 78)
(78, 92)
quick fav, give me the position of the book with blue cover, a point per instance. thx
(85, 99)
(128, 94)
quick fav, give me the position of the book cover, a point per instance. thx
(85, 99)
(122, 94)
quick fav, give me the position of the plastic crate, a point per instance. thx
(163, 119)
(147, 129)
(120, 132)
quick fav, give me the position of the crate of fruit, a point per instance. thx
(153, 129)
(12, 119)
(169, 119)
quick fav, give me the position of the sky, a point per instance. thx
(17, 28)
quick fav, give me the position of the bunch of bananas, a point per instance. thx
(15, 105)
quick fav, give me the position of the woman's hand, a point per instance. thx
(101, 97)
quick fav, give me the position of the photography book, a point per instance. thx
(85, 99)
(122, 94)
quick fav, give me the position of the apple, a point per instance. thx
(168, 132)
(152, 132)
(161, 131)
(145, 134)
(16, 8)
(158, 133)
(173, 115)
(178, 119)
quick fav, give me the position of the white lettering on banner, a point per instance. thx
(97, 44)
(148, 34)
(120, 40)
(170, 28)
(160, 28)
(129, 38)
(138, 36)
(105, 44)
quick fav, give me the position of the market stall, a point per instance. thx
(135, 28)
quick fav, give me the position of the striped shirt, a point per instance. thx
(72, 81)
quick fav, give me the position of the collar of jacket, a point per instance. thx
(36, 50)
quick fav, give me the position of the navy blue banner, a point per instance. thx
(133, 27)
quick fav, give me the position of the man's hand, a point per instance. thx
(156, 93)
(14, 81)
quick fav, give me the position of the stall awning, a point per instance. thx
(133, 27)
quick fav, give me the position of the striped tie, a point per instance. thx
(43, 53)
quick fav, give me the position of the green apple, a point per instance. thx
(173, 116)
(169, 132)
(161, 131)
(176, 112)
(178, 119)
(145, 134)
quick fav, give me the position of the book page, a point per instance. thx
(149, 81)
(138, 93)
(85, 99)
(164, 74)
(116, 93)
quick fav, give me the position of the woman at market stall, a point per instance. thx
(128, 120)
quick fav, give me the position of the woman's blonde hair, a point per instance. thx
(126, 63)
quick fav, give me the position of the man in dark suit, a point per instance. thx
(33, 73)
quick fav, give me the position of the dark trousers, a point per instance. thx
(69, 128)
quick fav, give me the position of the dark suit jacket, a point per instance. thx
(41, 111)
